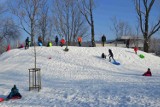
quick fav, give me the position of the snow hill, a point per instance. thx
(81, 78)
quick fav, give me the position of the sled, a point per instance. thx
(1, 99)
(13, 98)
(39, 44)
(116, 63)
(141, 56)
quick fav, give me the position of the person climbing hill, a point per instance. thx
(111, 55)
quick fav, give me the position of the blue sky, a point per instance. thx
(106, 9)
(123, 10)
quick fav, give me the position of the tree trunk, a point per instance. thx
(146, 45)
(92, 39)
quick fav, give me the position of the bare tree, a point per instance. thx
(143, 9)
(8, 32)
(86, 8)
(44, 21)
(28, 13)
(120, 28)
(68, 20)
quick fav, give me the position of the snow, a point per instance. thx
(81, 78)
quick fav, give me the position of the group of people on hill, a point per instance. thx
(49, 44)
(111, 57)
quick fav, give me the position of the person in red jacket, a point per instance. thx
(135, 49)
(62, 42)
(148, 73)
(8, 48)
(79, 40)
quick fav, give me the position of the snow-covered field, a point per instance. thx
(81, 78)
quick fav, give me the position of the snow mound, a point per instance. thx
(81, 78)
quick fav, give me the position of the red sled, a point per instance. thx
(16, 97)
(1, 99)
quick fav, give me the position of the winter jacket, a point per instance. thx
(62, 41)
(56, 40)
(135, 49)
(103, 38)
(8, 48)
(110, 53)
(148, 73)
(79, 39)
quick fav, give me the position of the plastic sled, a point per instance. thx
(39, 44)
(16, 97)
(141, 56)
(116, 63)
(1, 99)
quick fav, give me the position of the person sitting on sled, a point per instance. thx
(14, 93)
(148, 73)
(110, 55)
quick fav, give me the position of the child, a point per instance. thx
(27, 43)
(14, 93)
(40, 41)
(135, 49)
(110, 55)
(62, 42)
(56, 40)
(79, 40)
(148, 73)
(103, 55)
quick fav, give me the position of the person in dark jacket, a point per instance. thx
(56, 40)
(127, 43)
(111, 55)
(103, 40)
(148, 73)
(103, 56)
(14, 93)
(27, 43)
(40, 41)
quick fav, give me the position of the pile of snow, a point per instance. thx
(81, 78)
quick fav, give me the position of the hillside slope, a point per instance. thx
(80, 77)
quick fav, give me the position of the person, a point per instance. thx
(135, 49)
(27, 43)
(56, 40)
(8, 48)
(79, 40)
(103, 40)
(49, 44)
(21, 46)
(62, 42)
(148, 73)
(14, 93)
(127, 44)
(111, 55)
(40, 41)
(103, 55)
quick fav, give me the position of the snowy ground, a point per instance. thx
(80, 78)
